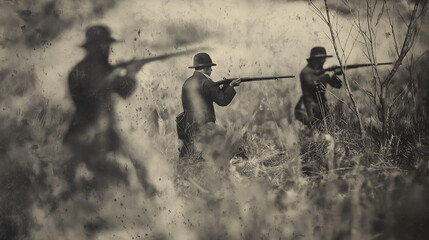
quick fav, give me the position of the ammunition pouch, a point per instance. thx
(181, 126)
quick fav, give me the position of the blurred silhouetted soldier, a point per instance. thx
(199, 93)
(312, 106)
(92, 136)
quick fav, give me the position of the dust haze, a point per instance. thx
(40, 42)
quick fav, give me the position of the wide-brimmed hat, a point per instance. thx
(318, 52)
(202, 60)
(98, 34)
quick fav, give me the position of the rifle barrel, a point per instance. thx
(251, 79)
(351, 66)
(143, 61)
(165, 56)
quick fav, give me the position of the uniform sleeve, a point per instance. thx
(309, 79)
(221, 96)
(124, 86)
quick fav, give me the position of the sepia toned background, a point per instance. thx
(40, 43)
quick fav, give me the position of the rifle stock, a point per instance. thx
(252, 79)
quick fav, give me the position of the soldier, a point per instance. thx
(92, 136)
(312, 106)
(198, 94)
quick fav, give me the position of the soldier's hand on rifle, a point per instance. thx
(133, 68)
(338, 71)
(330, 73)
(235, 82)
(117, 72)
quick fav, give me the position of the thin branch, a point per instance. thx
(366, 38)
(317, 11)
(356, 110)
(406, 46)
(393, 32)
(424, 10)
(401, 93)
(348, 37)
(368, 93)
(353, 45)
(339, 99)
(368, 22)
(375, 5)
(327, 36)
(371, 50)
(402, 17)
(380, 14)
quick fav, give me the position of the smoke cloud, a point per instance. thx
(39, 46)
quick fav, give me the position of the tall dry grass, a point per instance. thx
(280, 185)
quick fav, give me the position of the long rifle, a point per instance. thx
(252, 79)
(352, 66)
(134, 65)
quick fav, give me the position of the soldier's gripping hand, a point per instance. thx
(117, 72)
(235, 82)
(133, 68)
(330, 74)
(338, 71)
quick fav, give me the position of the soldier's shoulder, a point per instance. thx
(82, 66)
(307, 69)
(190, 79)
(306, 73)
(191, 82)
(206, 80)
(75, 72)
(207, 83)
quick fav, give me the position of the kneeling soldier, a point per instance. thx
(313, 84)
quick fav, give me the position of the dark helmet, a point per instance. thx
(202, 60)
(318, 52)
(97, 34)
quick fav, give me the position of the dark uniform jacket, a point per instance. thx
(313, 87)
(198, 95)
(91, 85)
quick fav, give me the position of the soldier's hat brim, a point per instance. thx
(203, 65)
(92, 43)
(319, 56)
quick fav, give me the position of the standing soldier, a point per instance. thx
(312, 106)
(198, 94)
(92, 135)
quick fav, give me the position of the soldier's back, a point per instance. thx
(197, 106)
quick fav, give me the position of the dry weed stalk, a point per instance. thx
(342, 58)
(381, 95)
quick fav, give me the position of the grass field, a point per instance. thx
(284, 183)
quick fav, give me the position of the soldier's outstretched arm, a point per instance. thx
(334, 80)
(221, 96)
(309, 79)
(121, 82)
